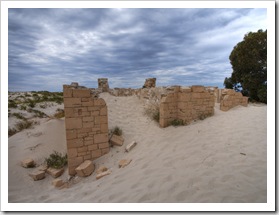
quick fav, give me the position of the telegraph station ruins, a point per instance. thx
(86, 115)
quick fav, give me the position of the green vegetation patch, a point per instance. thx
(56, 160)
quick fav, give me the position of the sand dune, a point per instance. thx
(220, 159)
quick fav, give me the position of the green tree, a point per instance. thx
(248, 60)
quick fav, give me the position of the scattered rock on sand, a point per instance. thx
(58, 182)
(28, 163)
(100, 175)
(43, 168)
(116, 140)
(55, 173)
(37, 175)
(130, 146)
(101, 169)
(124, 163)
(85, 169)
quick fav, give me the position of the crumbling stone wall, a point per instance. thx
(231, 98)
(186, 105)
(103, 84)
(149, 82)
(86, 123)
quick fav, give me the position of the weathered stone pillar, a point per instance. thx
(149, 82)
(86, 123)
(103, 84)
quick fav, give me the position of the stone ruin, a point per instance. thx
(186, 105)
(149, 83)
(86, 115)
(86, 123)
(103, 84)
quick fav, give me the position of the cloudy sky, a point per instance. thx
(51, 47)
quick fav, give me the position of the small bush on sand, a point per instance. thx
(153, 112)
(59, 113)
(23, 125)
(177, 122)
(56, 160)
(39, 114)
(12, 104)
(11, 132)
(116, 130)
(19, 116)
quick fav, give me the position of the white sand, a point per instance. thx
(201, 162)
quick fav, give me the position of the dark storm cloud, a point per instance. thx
(52, 47)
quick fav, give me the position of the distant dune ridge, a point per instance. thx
(218, 159)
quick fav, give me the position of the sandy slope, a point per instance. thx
(219, 159)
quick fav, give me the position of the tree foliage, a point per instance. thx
(248, 59)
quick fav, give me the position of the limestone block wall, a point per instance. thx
(186, 105)
(231, 98)
(86, 123)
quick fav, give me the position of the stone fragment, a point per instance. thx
(101, 169)
(37, 175)
(116, 140)
(43, 168)
(85, 169)
(55, 173)
(124, 162)
(130, 146)
(58, 182)
(100, 175)
(28, 163)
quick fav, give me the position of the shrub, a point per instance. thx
(177, 122)
(56, 160)
(22, 107)
(39, 114)
(31, 103)
(11, 132)
(59, 113)
(12, 104)
(116, 130)
(19, 116)
(156, 116)
(23, 125)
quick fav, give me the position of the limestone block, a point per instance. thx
(130, 146)
(105, 151)
(72, 152)
(43, 168)
(101, 138)
(103, 145)
(92, 147)
(197, 89)
(116, 140)
(82, 149)
(124, 162)
(101, 169)
(100, 175)
(81, 93)
(72, 102)
(28, 163)
(75, 161)
(99, 102)
(37, 175)
(73, 123)
(68, 93)
(104, 128)
(55, 173)
(58, 182)
(96, 154)
(74, 143)
(85, 169)
(71, 134)
(103, 111)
